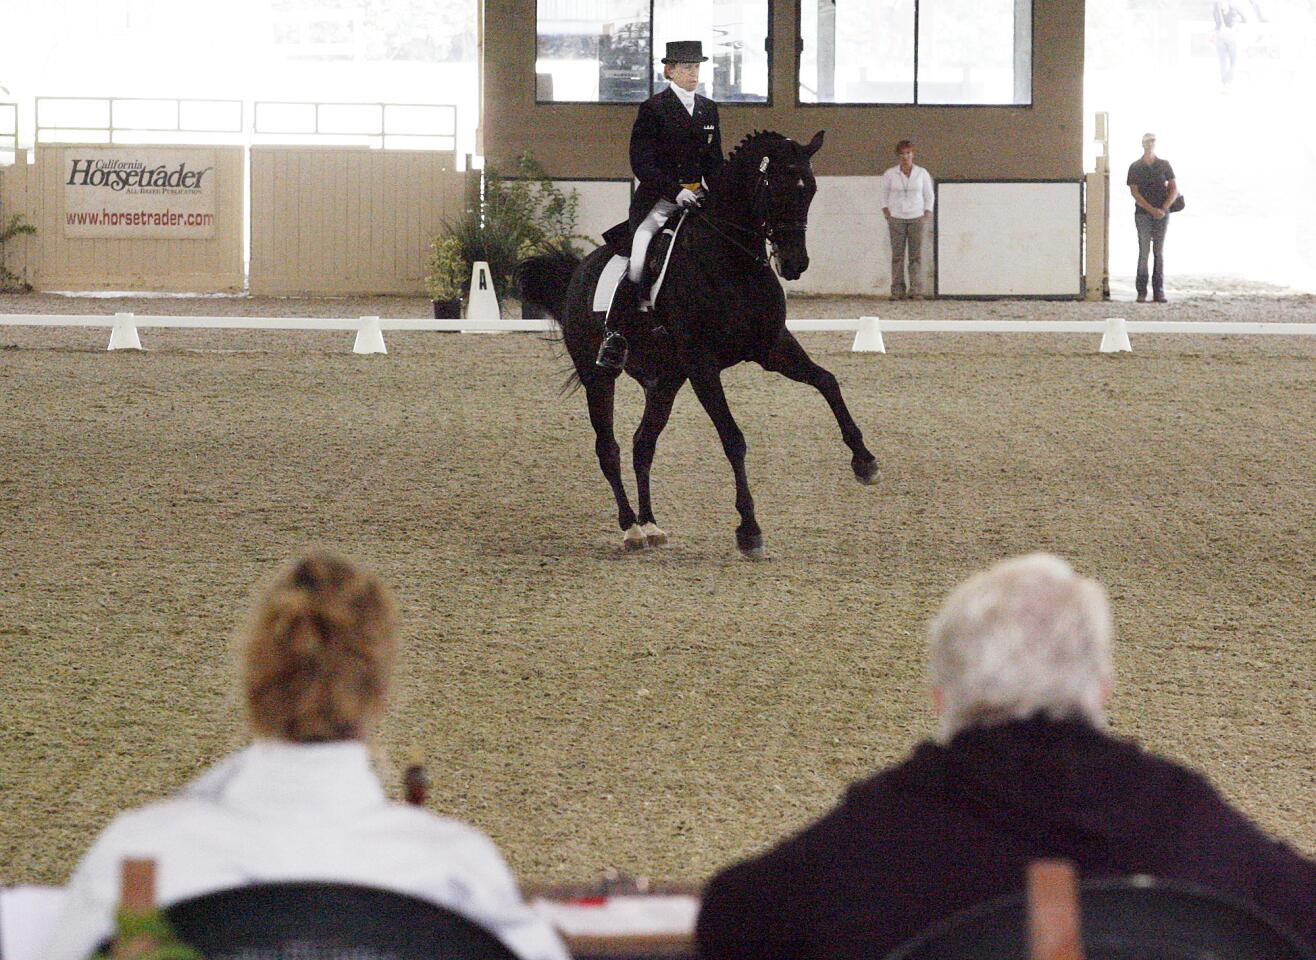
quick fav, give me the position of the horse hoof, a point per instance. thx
(634, 539)
(865, 471)
(654, 535)
(750, 546)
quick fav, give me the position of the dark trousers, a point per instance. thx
(1151, 235)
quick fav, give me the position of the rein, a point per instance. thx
(760, 258)
(764, 231)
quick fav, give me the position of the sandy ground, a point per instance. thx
(662, 712)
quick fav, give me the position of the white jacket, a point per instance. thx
(288, 812)
(907, 197)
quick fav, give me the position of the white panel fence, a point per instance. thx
(868, 331)
(482, 316)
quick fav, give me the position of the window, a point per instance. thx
(609, 51)
(916, 51)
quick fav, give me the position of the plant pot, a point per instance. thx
(448, 309)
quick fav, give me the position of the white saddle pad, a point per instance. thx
(612, 273)
(615, 269)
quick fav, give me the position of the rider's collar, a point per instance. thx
(687, 97)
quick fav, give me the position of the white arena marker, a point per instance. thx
(868, 338)
(123, 335)
(482, 303)
(1116, 337)
(369, 337)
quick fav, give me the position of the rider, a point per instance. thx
(676, 148)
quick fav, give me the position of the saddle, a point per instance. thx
(655, 264)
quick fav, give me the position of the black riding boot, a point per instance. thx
(614, 349)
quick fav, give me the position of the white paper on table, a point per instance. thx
(27, 916)
(621, 916)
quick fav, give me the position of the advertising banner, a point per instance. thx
(139, 192)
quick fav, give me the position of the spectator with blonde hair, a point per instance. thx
(1021, 768)
(301, 803)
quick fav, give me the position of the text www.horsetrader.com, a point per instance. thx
(143, 218)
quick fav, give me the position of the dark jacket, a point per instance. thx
(954, 826)
(670, 147)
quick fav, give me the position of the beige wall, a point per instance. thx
(342, 220)
(55, 262)
(1043, 141)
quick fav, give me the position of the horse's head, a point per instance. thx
(776, 176)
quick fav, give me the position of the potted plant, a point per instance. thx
(445, 277)
(519, 215)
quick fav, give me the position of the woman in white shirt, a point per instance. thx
(302, 802)
(907, 199)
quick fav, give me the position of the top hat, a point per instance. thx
(685, 51)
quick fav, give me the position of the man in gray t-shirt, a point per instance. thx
(1151, 181)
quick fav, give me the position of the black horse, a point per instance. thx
(720, 304)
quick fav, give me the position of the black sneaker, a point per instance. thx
(613, 352)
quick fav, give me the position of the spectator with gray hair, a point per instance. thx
(1021, 768)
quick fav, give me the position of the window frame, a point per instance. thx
(768, 42)
(1032, 86)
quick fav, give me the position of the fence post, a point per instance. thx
(123, 335)
(868, 338)
(1116, 337)
(369, 337)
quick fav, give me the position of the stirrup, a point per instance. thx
(613, 352)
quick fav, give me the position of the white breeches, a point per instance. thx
(659, 215)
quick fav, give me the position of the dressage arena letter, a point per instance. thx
(139, 192)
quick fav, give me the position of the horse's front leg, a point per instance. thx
(658, 400)
(791, 360)
(599, 393)
(706, 378)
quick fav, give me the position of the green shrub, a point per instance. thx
(521, 214)
(11, 282)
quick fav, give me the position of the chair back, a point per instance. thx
(327, 921)
(1131, 919)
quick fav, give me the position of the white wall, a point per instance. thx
(849, 248)
(1009, 239)
(999, 239)
(603, 204)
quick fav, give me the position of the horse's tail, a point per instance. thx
(544, 280)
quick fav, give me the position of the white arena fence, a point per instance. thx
(868, 331)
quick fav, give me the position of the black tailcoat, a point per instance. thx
(670, 147)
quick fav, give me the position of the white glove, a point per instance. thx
(687, 198)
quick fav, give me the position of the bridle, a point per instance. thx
(766, 227)
(765, 230)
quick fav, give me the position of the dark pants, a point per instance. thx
(1151, 234)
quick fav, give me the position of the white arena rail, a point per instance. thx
(868, 330)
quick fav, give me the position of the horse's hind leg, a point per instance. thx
(658, 400)
(707, 381)
(599, 393)
(790, 360)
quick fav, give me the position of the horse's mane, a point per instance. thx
(758, 138)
